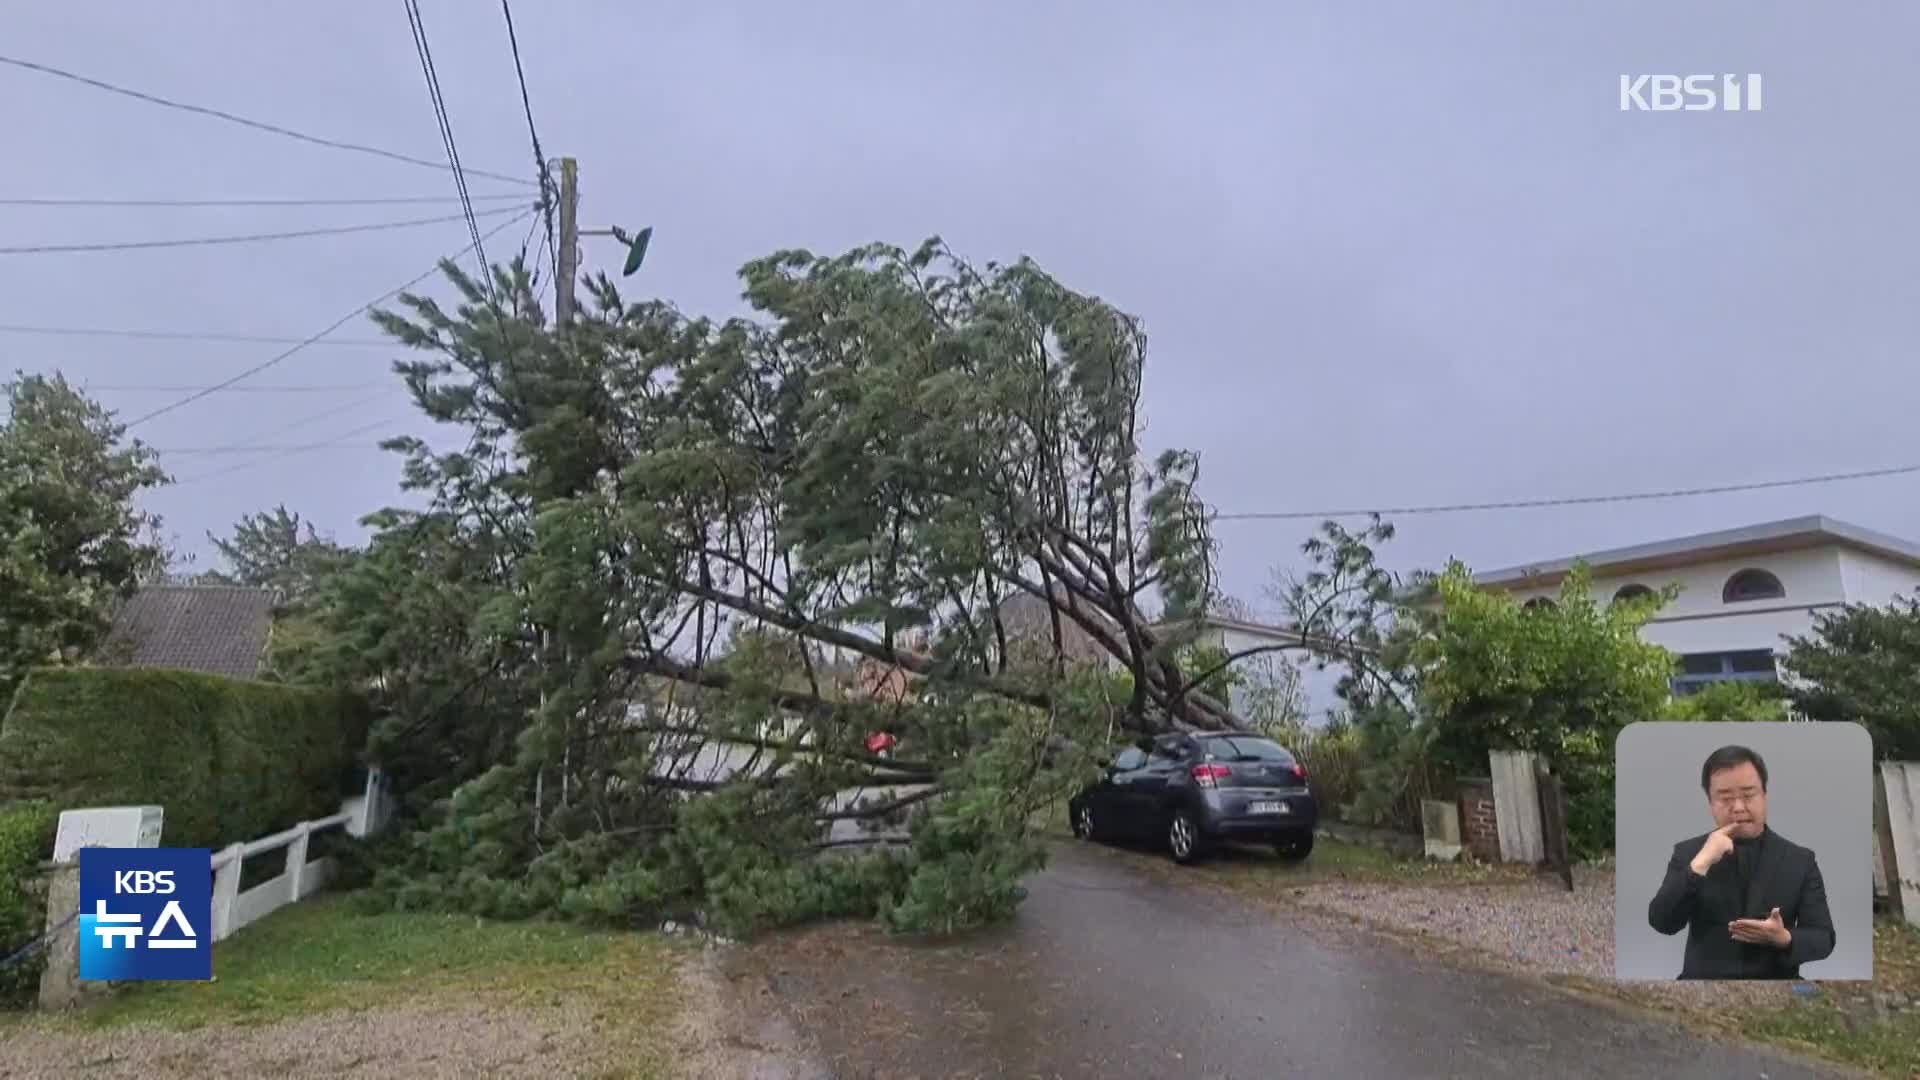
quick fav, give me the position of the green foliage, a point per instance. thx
(1225, 680)
(1560, 679)
(1730, 701)
(72, 542)
(229, 760)
(1357, 615)
(894, 445)
(1862, 664)
(26, 838)
(276, 550)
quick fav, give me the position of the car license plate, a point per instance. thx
(1267, 808)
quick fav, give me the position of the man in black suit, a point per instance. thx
(1752, 901)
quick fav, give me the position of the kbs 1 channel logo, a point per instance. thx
(146, 914)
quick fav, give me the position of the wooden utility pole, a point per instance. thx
(569, 240)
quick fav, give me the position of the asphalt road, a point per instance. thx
(1114, 969)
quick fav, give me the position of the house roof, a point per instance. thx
(1790, 534)
(214, 629)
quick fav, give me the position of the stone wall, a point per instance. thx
(1479, 826)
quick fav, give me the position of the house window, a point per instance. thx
(1752, 585)
(1631, 592)
(1698, 670)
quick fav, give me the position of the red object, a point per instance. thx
(1300, 771)
(880, 741)
(1210, 775)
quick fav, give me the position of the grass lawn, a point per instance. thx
(324, 955)
(1339, 861)
(1847, 1026)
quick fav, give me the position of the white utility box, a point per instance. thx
(108, 826)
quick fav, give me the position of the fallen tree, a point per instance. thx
(665, 528)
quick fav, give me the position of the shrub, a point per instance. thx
(1730, 701)
(228, 759)
(26, 838)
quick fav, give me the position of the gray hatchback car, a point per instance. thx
(1193, 790)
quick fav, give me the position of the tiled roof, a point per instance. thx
(215, 629)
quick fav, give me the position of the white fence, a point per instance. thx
(233, 909)
(1898, 834)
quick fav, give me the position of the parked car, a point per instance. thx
(1191, 791)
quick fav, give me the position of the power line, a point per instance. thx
(335, 325)
(345, 438)
(250, 442)
(187, 335)
(389, 200)
(533, 133)
(125, 388)
(1581, 500)
(419, 26)
(249, 238)
(243, 448)
(258, 125)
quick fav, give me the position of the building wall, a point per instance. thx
(1809, 577)
(1699, 621)
(1870, 579)
(1479, 824)
(1816, 580)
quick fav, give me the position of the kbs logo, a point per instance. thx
(1689, 93)
(146, 913)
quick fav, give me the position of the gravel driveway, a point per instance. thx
(1536, 927)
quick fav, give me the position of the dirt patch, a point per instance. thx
(731, 1028)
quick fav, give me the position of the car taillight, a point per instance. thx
(1300, 771)
(1210, 775)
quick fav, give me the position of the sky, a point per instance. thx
(1387, 255)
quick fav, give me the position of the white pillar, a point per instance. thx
(297, 860)
(226, 891)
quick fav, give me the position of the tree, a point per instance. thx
(897, 445)
(1862, 664)
(1358, 615)
(72, 542)
(276, 550)
(1271, 696)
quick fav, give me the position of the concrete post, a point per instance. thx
(60, 985)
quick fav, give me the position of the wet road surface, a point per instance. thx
(1113, 970)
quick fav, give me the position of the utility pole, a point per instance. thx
(569, 240)
(568, 269)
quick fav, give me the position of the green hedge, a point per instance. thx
(228, 759)
(26, 838)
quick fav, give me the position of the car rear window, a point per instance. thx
(1245, 748)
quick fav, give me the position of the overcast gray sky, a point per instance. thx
(1388, 254)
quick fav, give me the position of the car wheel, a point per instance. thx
(1183, 837)
(1083, 822)
(1295, 848)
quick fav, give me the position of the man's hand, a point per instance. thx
(1719, 843)
(1767, 931)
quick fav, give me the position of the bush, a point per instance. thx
(229, 760)
(1730, 701)
(26, 838)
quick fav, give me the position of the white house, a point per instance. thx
(1743, 592)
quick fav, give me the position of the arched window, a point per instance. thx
(1752, 585)
(1631, 592)
(1538, 603)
